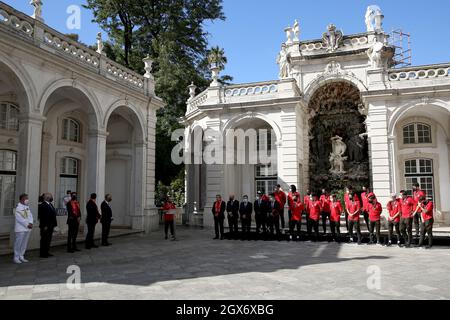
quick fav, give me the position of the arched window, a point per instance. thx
(420, 171)
(8, 168)
(9, 116)
(415, 133)
(71, 130)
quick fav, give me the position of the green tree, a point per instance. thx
(173, 33)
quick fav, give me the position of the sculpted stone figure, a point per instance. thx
(37, 4)
(380, 55)
(283, 62)
(333, 38)
(374, 19)
(296, 30)
(337, 155)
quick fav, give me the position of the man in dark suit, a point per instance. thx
(274, 216)
(246, 210)
(218, 211)
(47, 219)
(233, 215)
(92, 218)
(261, 207)
(106, 219)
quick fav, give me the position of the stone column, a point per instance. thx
(29, 166)
(151, 218)
(96, 163)
(379, 150)
(393, 163)
(287, 152)
(137, 220)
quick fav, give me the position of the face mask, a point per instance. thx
(26, 202)
(245, 200)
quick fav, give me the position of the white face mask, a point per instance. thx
(26, 202)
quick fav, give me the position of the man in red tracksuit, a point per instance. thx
(326, 210)
(365, 205)
(348, 192)
(292, 192)
(315, 208)
(335, 217)
(375, 210)
(417, 194)
(280, 197)
(353, 207)
(395, 212)
(427, 208)
(408, 208)
(169, 218)
(296, 207)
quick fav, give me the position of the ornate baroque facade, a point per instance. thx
(395, 122)
(71, 119)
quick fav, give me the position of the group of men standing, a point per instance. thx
(403, 212)
(47, 216)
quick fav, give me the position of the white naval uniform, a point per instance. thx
(24, 217)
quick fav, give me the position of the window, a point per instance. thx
(266, 175)
(9, 117)
(420, 171)
(8, 163)
(68, 179)
(416, 133)
(71, 130)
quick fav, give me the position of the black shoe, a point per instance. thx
(44, 256)
(216, 238)
(106, 244)
(50, 255)
(94, 246)
(88, 248)
(76, 250)
(222, 238)
(71, 251)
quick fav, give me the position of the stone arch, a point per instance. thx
(137, 113)
(234, 122)
(23, 80)
(399, 113)
(73, 84)
(325, 79)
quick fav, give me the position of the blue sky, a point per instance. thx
(253, 31)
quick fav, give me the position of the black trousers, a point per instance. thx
(274, 224)
(106, 227)
(366, 219)
(261, 222)
(246, 225)
(391, 226)
(171, 225)
(295, 224)
(313, 224)
(418, 223)
(335, 228)
(46, 240)
(375, 226)
(90, 235)
(426, 227)
(346, 220)
(218, 226)
(357, 225)
(74, 226)
(282, 218)
(406, 229)
(325, 216)
(233, 224)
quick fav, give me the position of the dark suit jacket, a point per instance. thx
(47, 216)
(92, 215)
(222, 210)
(246, 210)
(106, 213)
(274, 209)
(233, 208)
(261, 209)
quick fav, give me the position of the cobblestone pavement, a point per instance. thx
(196, 267)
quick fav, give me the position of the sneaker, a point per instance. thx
(17, 261)
(22, 259)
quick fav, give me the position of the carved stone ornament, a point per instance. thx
(333, 38)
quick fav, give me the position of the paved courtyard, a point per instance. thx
(196, 267)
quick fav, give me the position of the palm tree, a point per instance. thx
(216, 57)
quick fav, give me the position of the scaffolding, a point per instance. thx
(401, 41)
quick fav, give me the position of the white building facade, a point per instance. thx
(71, 119)
(395, 122)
